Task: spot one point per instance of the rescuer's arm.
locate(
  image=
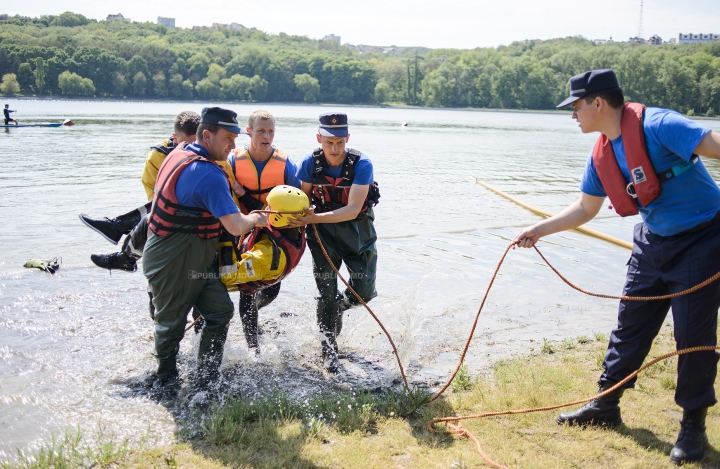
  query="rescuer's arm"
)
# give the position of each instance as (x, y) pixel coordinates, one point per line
(709, 146)
(238, 224)
(356, 199)
(579, 213)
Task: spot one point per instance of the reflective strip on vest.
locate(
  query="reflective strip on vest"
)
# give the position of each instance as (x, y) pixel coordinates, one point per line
(645, 181)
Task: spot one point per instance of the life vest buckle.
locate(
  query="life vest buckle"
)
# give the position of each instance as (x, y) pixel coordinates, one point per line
(631, 190)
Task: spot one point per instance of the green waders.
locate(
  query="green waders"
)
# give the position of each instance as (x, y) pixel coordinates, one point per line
(351, 242)
(182, 273)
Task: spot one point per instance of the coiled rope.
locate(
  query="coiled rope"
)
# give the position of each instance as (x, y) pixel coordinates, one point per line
(454, 427)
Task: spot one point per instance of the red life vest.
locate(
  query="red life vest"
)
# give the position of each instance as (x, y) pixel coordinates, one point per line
(293, 253)
(330, 193)
(163, 215)
(258, 185)
(646, 186)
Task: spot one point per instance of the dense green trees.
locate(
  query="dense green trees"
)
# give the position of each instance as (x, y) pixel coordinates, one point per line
(144, 60)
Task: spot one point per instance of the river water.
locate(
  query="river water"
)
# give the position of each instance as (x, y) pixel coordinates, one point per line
(75, 349)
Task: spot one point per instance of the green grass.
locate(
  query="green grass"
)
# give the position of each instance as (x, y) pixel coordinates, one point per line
(389, 429)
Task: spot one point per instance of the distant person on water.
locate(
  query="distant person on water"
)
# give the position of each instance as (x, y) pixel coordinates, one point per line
(7, 112)
(341, 186)
(647, 161)
(192, 203)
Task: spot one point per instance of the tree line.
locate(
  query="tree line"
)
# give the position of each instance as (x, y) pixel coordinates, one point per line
(72, 55)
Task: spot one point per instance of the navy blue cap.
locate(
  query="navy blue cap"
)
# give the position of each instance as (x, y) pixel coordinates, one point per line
(225, 118)
(333, 125)
(594, 81)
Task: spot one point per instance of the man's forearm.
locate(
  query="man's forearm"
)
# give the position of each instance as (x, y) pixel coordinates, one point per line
(237, 224)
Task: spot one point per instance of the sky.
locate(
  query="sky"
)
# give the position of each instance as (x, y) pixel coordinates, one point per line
(408, 23)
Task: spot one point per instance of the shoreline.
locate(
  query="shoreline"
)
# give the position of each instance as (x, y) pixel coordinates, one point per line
(273, 103)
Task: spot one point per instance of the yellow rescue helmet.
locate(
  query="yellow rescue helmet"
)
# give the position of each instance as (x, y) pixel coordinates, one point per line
(285, 199)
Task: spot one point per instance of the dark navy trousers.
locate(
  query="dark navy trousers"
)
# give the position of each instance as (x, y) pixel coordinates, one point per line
(661, 265)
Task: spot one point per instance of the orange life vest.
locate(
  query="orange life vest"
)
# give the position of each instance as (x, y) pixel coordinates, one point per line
(163, 215)
(645, 185)
(258, 185)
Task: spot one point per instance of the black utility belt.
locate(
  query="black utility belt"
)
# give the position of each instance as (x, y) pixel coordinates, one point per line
(696, 228)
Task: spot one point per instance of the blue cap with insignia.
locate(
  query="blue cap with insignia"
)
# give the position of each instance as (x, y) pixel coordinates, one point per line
(594, 81)
(333, 125)
(225, 118)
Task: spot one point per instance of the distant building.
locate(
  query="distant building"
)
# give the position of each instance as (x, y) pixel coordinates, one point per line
(695, 38)
(391, 50)
(672, 40)
(119, 16)
(655, 40)
(231, 26)
(168, 22)
(600, 41)
(332, 38)
(636, 40)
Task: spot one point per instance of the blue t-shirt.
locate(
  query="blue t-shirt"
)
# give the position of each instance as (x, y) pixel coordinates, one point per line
(363, 170)
(205, 185)
(290, 170)
(687, 200)
(7, 113)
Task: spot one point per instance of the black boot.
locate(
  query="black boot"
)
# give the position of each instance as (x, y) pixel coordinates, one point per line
(249, 318)
(209, 358)
(330, 354)
(598, 412)
(200, 323)
(692, 439)
(168, 377)
(114, 261)
(112, 229)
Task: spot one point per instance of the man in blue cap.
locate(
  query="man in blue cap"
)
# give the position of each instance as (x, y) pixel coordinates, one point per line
(191, 204)
(646, 161)
(341, 186)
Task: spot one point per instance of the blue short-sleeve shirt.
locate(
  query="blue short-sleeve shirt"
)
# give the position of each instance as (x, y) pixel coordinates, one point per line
(363, 170)
(686, 200)
(205, 185)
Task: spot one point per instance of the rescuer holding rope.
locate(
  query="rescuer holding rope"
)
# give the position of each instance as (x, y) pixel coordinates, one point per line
(646, 161)
(191, 205)
(341, 186)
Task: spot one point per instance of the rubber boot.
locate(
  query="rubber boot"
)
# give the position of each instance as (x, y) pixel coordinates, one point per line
(167, 375)
(210, 354)
(198, 325)
(330, 353)
(249, 318)
(604, 411)
(343, 303)
(692, 439)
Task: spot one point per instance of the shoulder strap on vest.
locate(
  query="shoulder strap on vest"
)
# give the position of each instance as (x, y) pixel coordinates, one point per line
(165, 150)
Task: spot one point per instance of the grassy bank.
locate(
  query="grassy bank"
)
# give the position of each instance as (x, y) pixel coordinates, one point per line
(363, 430)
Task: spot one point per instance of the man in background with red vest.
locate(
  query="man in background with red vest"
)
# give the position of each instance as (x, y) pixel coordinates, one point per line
(646, 161)
(258, 168)
(192, 200)
(341, 186)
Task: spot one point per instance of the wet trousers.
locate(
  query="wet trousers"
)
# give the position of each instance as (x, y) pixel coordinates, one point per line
(249, 306)
(182, 273)
(351, 242)
(659, 266)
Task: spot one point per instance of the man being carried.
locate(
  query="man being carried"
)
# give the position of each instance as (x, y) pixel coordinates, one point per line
(192, 203)
(258, 168)
(341, 185)
(646, 161)
(7, 112)
(133, 222)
